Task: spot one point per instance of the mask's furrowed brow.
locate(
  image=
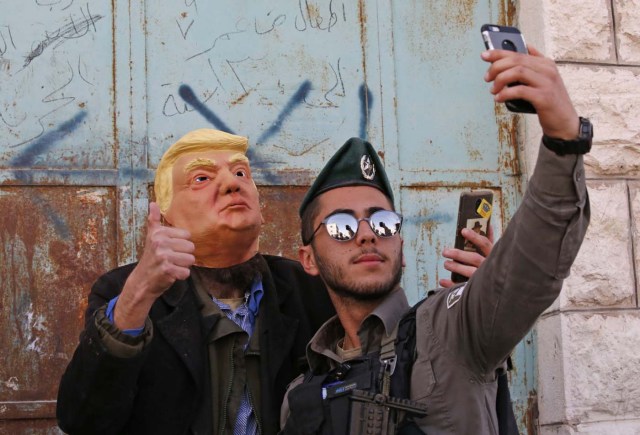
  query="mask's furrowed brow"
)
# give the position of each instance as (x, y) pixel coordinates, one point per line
(239, 157)
(201, 163)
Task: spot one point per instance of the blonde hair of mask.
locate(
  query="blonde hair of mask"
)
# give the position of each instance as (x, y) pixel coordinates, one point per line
(196, 141)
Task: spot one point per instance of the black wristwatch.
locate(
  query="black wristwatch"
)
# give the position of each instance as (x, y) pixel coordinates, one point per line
(581, 145)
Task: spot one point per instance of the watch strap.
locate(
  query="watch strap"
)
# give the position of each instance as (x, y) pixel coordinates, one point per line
(581, 145)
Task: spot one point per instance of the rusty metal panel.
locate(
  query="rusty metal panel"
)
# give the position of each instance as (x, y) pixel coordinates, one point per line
(281, 229)
(444, 108)
(30, 427)
(54, 243)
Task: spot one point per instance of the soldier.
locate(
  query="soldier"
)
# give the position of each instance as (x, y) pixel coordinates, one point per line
(440, 376)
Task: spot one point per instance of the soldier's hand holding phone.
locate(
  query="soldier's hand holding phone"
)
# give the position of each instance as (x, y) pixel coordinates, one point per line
(473, 238)
(465, 263)
(539, 83)
(507, 38)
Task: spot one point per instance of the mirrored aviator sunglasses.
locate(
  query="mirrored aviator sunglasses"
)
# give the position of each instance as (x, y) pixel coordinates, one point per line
(344, 226)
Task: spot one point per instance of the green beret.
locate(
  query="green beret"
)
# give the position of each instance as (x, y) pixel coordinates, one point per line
(356, 163)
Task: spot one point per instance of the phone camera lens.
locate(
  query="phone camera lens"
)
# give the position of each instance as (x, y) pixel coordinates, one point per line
(508, 45)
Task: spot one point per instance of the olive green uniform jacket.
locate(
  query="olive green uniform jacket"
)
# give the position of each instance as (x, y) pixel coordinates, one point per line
(464, 334)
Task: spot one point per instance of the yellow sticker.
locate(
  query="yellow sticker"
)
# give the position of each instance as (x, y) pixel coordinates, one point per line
(484, 209)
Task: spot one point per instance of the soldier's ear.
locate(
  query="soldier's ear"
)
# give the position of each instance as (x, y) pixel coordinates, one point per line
(308, 260)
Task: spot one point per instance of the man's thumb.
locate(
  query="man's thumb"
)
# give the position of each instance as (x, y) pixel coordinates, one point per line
(154, 214)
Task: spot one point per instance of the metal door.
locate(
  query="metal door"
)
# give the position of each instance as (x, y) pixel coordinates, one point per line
(92, 93)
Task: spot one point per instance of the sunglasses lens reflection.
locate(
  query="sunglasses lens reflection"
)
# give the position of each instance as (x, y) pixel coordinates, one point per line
(343, 226)
(385, 223)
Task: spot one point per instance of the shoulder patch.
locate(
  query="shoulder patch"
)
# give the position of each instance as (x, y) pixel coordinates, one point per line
(454, 296)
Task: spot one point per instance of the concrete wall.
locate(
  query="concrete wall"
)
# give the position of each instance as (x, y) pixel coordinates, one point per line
(589, 341)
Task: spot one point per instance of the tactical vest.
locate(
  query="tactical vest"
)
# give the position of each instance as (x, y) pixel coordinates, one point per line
(369, 395)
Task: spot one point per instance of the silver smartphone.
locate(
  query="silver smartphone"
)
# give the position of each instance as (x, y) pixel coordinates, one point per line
(507, 38)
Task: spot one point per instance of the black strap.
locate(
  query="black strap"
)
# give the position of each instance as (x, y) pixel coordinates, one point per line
(405, 353)
(504, 408)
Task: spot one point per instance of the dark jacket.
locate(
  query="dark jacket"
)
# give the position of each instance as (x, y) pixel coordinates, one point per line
(159, 390)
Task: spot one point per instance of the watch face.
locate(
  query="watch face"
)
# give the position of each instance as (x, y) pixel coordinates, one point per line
(586, 129)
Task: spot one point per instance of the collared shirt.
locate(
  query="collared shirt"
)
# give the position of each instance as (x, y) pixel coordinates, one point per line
(322, 351)
(245, 317)
(382, 321)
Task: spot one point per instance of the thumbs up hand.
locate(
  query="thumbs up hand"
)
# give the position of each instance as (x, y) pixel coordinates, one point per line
(168, 253)
(167, 257)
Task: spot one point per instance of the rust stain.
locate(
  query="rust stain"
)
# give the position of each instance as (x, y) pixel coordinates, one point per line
(424, 278)
(276, 205)
(22, 422)
(430, 25)
(507, 12)
(114, 86)
(436, 185)
(531, 414)
(362, 19)
(240, 98)
(460, 12)
(313, 13)
(55, 245)
(183, 15)
(508, 134)
(428, 228)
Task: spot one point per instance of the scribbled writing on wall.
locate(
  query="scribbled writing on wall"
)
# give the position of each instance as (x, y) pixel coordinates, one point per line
(262, 55)
(74, 28)
(48, 69)
(190, 99)
(284, 60)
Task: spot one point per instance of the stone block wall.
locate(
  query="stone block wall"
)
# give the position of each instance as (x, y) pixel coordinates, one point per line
(589, 340)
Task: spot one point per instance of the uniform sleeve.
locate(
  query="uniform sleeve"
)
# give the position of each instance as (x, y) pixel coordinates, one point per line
(484, 320)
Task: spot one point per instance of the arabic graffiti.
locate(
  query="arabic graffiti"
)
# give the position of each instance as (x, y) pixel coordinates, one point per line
(298, 98)
(321, 78)
(70, 30)
(259, 58)
(307, 17)
(36, 94)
